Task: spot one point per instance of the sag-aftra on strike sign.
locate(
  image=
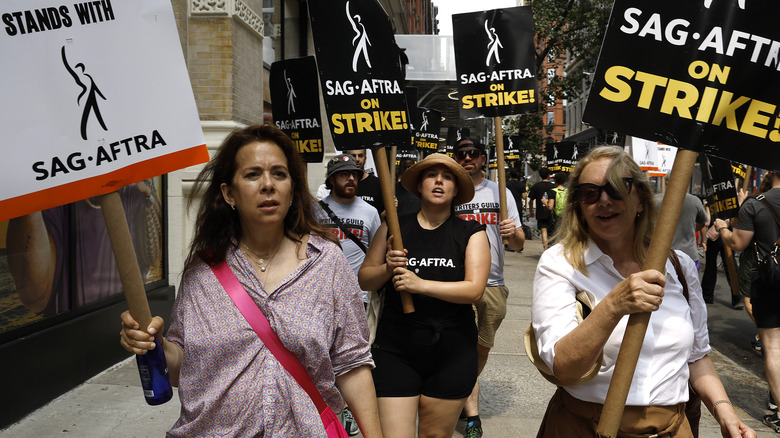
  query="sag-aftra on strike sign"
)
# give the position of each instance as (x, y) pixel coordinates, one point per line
(495, 62)
(95, 96)
(699, 75)
(360, 73)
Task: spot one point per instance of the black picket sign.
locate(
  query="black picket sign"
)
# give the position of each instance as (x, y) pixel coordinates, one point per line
(295, 104)
(495, 62)
(511, 151)
(718, 184)
(360, 73)
(695, 74)
(426, 136)
(454, 135)
(563, 156)
(511, 147)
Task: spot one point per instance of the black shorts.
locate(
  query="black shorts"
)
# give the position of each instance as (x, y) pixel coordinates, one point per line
(766, 305)
(544, 223)
(410, 362)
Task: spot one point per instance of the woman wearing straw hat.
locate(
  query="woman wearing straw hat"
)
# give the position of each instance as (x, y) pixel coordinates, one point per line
(604, 237)
(426, 361)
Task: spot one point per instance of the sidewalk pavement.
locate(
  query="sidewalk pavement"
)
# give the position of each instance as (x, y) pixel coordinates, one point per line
(513, 395)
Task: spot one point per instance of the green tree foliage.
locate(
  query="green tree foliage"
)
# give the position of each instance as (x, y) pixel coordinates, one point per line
(569, 31)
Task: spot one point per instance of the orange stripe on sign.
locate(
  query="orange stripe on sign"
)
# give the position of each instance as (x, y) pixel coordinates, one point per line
(101, 184)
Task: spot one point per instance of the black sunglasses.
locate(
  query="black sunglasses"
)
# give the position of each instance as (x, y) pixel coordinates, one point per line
(588, 193)
(473, 153)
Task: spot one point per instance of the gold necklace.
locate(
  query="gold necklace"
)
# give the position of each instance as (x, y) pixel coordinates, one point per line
(261, 260)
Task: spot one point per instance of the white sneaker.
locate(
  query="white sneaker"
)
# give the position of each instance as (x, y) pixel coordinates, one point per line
(350, 425)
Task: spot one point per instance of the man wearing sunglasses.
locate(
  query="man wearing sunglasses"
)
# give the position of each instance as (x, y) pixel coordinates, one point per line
(484, 208)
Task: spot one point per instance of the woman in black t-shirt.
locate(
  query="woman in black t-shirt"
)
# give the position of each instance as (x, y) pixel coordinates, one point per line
(426, 361)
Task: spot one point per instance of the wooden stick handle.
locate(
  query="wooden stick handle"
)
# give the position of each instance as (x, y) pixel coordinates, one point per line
(501, 174)
(391, 165)
(609, 423)
(383, 171)
(126, 261)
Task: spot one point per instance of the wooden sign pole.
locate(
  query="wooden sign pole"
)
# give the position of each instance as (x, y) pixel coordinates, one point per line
(383, 172)
(391, 164)
(501, 172)
(126, 261)
(612, 413)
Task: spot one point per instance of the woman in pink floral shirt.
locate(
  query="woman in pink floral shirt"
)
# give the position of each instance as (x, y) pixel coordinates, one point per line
(256, 215)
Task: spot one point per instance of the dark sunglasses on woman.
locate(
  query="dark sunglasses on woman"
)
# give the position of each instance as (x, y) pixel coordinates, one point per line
(473, 153)
(588, 193)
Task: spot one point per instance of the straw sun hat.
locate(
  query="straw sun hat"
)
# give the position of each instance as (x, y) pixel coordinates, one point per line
(411, 177)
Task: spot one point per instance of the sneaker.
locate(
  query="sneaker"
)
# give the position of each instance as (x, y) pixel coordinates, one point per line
(771, 404)
(736, 302)
(473, 431)
(350, 425)
(773, 422)
(757, 345)
(463, 415)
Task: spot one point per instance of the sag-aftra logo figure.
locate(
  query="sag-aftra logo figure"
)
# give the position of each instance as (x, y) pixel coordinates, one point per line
(91, 90)
(360, 41)
(493, 45)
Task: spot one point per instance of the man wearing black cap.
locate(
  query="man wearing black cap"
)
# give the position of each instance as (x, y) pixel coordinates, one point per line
(484, 208)
(344, 213)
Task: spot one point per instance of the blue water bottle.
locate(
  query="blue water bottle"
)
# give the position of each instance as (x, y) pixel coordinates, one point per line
(154, 375)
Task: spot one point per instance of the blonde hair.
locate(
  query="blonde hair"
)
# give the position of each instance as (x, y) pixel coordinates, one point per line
(572, 231)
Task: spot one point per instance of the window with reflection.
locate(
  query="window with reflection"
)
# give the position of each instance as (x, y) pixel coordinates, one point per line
(60, 260)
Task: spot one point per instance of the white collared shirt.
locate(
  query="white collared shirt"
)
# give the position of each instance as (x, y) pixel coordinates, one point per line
(676, 335)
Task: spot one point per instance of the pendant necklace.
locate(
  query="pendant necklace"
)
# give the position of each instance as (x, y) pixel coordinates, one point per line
(261, 260)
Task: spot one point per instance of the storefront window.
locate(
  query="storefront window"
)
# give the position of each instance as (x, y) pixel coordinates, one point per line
(60, 260)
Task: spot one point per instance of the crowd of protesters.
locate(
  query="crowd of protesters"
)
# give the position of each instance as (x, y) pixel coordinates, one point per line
(333, 286)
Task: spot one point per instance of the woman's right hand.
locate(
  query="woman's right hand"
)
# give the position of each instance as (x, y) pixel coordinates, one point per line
(395, 258)
(135, 340)
(640, 292)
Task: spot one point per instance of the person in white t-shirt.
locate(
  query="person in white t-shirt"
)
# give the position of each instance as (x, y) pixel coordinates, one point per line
(484, 208)
(603, 242)
(349, 213)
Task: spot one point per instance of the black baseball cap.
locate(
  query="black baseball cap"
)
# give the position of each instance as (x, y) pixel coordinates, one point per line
(341, 162)
(466, 142)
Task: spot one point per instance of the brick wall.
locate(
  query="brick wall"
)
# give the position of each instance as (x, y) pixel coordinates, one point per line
(247, 93)
(210, 59)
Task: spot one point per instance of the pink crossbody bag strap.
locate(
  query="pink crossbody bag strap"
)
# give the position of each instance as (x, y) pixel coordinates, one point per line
(258, 321)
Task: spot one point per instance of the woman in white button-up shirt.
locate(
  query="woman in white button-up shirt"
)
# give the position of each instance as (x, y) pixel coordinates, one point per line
(603, 239)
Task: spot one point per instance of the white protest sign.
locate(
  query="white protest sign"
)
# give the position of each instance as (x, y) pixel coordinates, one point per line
(645, 153)
(96, 96)
(665, 157)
